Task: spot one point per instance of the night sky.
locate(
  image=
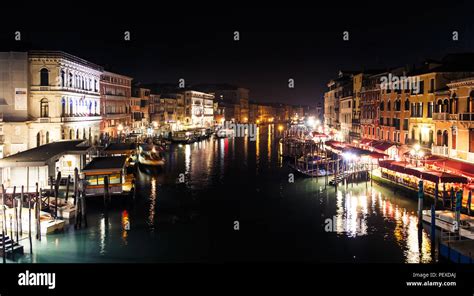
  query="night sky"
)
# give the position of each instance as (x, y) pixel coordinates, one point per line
(290, 42)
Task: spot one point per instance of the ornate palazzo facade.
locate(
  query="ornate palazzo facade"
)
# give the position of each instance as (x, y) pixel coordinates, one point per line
(64, 98)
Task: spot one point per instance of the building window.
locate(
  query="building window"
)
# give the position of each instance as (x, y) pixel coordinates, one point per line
(63, 107)
(38, 139)
(430, 109)
(445, 138)
(44, 108)
(47, 137)
(44, 77)
(407, 105)
(439, 139)
(453, 139)
(63, 78)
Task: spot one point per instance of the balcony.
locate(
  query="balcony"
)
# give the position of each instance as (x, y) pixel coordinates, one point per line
(77, 118)
(466, 116)
(366, 121)
(441, 116)
(44, 120)
(440, 150)
(116, 115)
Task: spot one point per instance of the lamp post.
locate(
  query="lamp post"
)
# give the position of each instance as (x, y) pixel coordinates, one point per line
(417, 154)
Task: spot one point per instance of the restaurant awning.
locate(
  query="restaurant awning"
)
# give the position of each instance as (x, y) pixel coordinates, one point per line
(335, 145)
(381, 145)
(377, 155)
(452, 165)
(422, 172)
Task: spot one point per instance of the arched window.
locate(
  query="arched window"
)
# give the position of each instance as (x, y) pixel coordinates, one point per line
(407, 105)
(439, 139)
(70, 80)
(469, 102)
(445, 138)
(44, 108)
(389, 106)
(38, 139)
(63, 107)
(77, 134)
(439, 106)
(71, 135)
(47, 137)
(63, 78)
(90, 134)
(445, 105)
(381, 106)
(44, 77)
(71, 108)
(84, 133)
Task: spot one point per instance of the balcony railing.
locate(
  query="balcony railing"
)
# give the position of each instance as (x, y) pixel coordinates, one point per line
(80, 118)
(440, 150)
(441, 116)
(466, 116)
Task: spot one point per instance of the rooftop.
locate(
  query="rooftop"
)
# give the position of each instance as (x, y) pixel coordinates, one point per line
(119, 147)
(105, 163)
(41, 155)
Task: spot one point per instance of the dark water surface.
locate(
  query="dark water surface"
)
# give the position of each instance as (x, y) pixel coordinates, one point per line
(229, 180)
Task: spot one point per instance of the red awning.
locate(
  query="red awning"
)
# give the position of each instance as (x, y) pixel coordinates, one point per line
(377, 155)
(422, 172)
(454, 166)
(319, 135)
(381, 145)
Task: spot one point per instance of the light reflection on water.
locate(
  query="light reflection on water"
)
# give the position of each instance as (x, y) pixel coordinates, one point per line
(354, 211)
(247, 179)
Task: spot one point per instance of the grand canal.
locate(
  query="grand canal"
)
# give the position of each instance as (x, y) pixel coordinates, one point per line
(228, 180)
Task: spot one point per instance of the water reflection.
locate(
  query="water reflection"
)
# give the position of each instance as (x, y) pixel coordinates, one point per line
(228, 178)
(356, 216)
(152, 204)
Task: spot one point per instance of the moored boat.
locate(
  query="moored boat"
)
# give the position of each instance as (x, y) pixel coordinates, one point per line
(150, 155)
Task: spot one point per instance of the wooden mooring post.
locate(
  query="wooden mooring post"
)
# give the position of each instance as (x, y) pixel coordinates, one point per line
(15, 213)
(29, 222)
(67, 187)
(4, 225)
(76, 181)
(56, 193)
(38, 215)
(22, 196)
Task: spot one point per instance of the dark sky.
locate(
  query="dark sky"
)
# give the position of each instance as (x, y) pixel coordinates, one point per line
(304, 43)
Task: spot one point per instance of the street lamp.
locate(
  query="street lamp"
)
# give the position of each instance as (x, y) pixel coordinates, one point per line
(416, 153)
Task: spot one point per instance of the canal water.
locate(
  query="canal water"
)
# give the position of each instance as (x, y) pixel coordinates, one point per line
(238, 183)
